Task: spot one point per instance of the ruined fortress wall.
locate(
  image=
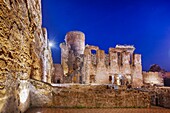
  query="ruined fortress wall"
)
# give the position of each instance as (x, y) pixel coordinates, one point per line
(99, 67)
(160, 96)
(74, 47)
(43, 95)
(153, 78)
(119, 61)
(72, 56)
(100, 97)
(58, 75)
(64, 57)
(21, 51)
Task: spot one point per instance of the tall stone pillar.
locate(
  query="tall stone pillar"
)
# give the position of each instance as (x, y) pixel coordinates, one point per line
(102, 73)
(64, 57)
(126, 69)
(137, 79)
(86, 66)
(113, 55)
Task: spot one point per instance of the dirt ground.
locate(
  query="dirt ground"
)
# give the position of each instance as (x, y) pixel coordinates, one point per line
(99, 110)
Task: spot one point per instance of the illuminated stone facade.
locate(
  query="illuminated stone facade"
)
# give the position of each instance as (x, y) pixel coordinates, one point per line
(58, 74)
(80, 65)
(153, 78)
(72, 56)
(24, 53)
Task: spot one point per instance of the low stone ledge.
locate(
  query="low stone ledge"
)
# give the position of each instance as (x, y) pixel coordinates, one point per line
(88, 96)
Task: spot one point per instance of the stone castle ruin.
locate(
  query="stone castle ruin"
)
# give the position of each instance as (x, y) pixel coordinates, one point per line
(80, 65)
(28, 76)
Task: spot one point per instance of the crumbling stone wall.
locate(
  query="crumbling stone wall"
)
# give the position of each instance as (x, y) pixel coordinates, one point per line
(160, 96)
(58, 74)
(43, 95)
(120, 63)
(100, 97)
(163, 97)
(98, 67)
(46, 56)
(72, 55)
(22, 43)
(153, 78)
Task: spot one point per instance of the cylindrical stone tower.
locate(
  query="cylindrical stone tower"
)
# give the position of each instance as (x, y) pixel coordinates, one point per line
(76, 40)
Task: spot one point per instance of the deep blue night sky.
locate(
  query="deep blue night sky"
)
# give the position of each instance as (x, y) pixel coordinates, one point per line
(142, 23)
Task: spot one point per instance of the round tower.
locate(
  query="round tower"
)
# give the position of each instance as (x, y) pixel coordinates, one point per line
(76, 40)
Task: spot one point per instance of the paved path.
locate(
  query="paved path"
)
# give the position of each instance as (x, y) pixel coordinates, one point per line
(100, 110)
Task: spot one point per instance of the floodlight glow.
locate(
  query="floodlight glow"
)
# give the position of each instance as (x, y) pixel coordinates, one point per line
(51, 44)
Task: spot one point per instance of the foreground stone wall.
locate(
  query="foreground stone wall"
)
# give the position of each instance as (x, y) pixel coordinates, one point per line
(9, 96)
(163, 96)
(160, 96)
(22, 45)
(43, 95)
(100, 97)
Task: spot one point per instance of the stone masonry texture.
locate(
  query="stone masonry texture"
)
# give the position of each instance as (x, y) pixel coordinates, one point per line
(99, 96)
(22, 52)
(81, 65)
